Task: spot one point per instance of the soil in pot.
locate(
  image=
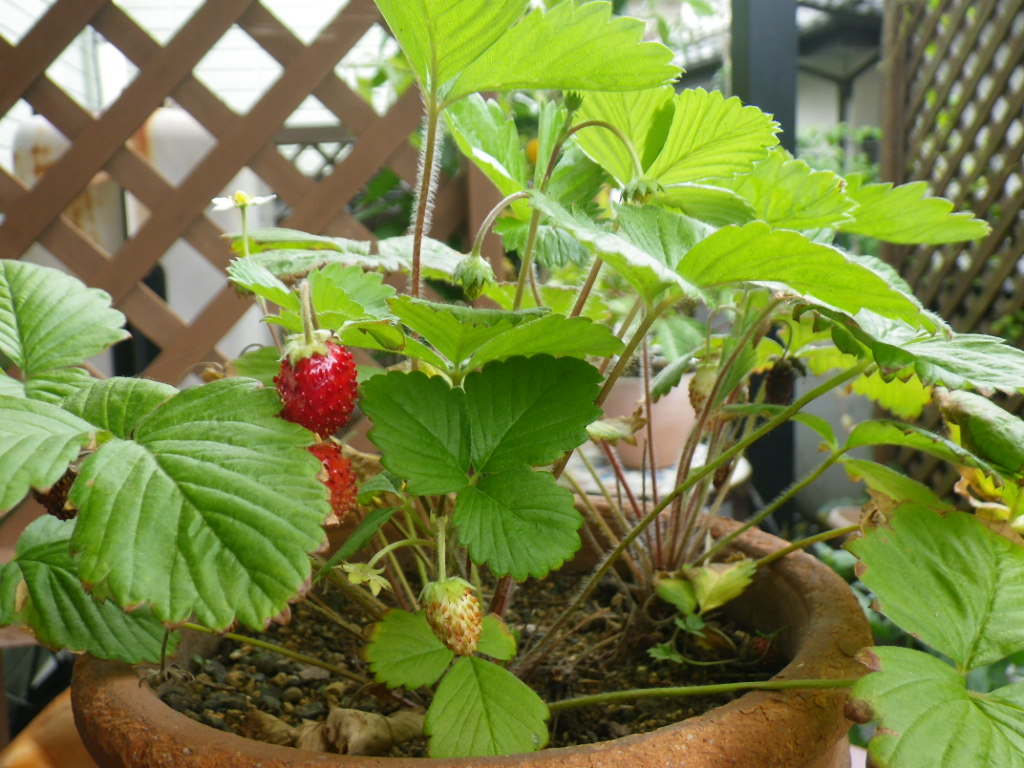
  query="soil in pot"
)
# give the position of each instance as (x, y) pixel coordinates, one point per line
(234, 686)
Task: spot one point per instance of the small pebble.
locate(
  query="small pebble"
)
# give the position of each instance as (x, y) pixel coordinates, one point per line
(293, 694)
(311, 711)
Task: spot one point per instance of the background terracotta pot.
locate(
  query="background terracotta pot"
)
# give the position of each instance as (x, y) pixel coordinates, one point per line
(125, 725)
(672, 420)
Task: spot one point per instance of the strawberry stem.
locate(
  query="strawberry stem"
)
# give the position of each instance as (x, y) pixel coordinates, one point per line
(308, 315)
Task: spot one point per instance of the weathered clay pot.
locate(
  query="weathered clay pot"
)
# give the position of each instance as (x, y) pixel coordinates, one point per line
(672, 420)
(124, 724)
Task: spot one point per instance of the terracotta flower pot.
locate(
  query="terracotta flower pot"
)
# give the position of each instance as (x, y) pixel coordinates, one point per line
(672, 420)
(125, 725)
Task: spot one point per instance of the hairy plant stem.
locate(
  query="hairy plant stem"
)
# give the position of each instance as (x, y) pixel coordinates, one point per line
(526, 661)
(300, 657)
(426, 185)
(700, 690)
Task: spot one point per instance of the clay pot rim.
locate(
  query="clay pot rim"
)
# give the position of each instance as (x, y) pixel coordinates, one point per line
(107, 694)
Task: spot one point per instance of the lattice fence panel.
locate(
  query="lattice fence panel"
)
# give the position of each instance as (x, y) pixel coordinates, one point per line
(116, 144)
(955, 118)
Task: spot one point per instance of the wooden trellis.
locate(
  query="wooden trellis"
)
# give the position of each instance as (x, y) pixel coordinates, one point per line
(954, 116)
(103, 145)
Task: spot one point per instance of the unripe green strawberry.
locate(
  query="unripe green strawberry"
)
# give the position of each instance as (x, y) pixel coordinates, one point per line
(701, 385)
(339, 477)
(317, 383)
(474, 274)
(453, 612)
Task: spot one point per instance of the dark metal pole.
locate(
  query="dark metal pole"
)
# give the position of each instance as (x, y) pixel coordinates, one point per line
(764, 66)
(764, 59)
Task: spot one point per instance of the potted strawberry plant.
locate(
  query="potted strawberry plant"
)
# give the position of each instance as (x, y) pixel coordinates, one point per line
(206, 507)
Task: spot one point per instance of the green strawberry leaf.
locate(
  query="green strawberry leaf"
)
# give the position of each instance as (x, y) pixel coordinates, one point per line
(757, 254)
(520, 523)
(905, 214)
(119, 404)
(490, 139)
(789, 194)
(404, 651)
(646, 272)
(715, 205)
(894, 484)
(712, 137)
(52, 386)
(216, 501)
(666, 235)
(553, 334)
(38, 441)
(553, 247)
(482, 709)
(887, 432)
(439, 260)
(905, 398)
(64, 615)
(690, 136)
(439, 39)
(929, 718)
(965, 360)
(262, 364)
(529, 411)
(251, 275)
(49, 319)
(956, 361)
(283, 239)
(496, 639)
(974, 619)
(420, 428)
(576, 180)
(608, 51)
(457, 332)
(643, 117)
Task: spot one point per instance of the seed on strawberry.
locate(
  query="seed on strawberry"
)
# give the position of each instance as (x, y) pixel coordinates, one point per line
(453, 612)
(317, 383)
(339, 477)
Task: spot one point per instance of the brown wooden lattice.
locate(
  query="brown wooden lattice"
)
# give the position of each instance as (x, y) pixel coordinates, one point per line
(954, 116)
(113, 143)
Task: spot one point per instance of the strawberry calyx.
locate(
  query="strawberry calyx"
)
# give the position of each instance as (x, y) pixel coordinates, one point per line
(300, 346)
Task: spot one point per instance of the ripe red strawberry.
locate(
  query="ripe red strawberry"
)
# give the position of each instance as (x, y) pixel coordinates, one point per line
(453, 612)
(339, 477)
(317, 383)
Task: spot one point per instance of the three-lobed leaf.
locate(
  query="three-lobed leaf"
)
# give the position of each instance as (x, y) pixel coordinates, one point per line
(210, 511)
